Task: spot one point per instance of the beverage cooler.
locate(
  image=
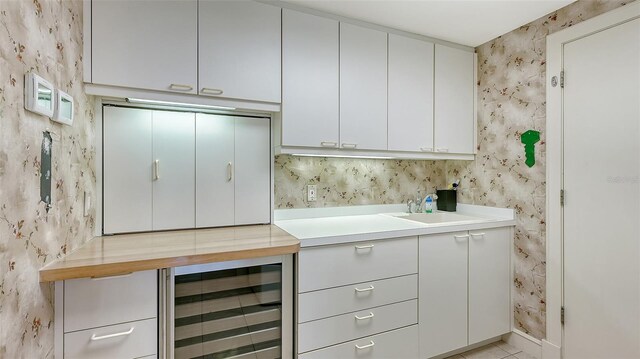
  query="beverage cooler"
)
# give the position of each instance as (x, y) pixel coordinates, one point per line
(239, 309)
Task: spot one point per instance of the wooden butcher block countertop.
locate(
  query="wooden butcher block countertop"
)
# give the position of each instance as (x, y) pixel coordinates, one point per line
(125, 253)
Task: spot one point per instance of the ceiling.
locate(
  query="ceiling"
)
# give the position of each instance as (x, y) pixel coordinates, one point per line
(467, 22)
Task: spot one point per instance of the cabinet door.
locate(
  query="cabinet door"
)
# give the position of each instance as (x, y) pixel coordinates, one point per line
(410, 94)
(145, 44)
(363, 88)
(454, 94)
(309, 80)
(239, 50)
(489, 283)
(174, 175)
(127, 186)
(443, 293)
(252, 171)
(214, 166)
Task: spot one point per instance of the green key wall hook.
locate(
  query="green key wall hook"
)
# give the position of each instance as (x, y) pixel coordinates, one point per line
(529, 139)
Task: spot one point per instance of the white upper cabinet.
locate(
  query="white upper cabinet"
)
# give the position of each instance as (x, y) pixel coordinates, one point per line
(145, 44)
(127, 174)
(363, 88)
(239, 50)
(454, 100)
(410, 94)
(310, 85)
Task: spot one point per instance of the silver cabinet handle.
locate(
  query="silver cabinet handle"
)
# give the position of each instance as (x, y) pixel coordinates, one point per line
(369, 288)
(364, 247)
(210, 91)
(229, 171)
(442, 150)
(156, 170)
(464, 236)
(426, 149)
(371, 343)
(365, 317)
(178, 87)
(349, 145)
(477, 234)
(329, 144)
(101, 337)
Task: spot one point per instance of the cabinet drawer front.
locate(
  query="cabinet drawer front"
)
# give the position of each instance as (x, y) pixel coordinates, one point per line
(400, 344)
(333, 266)
(330, 331)
(335, 301)
(91, 303)
(126, 340)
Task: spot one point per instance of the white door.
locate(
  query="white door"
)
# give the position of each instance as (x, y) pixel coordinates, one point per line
(489, 283)
(442, 292)
(252, 171)
(410, 94)
(363, 88)
(454, 97)
(145, 44)
(127, 171)
(602, 207)
(214, 170)
(309, 80)
(239, 50)
(174, 173)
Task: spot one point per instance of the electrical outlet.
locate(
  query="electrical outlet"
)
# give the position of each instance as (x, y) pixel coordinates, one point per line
(312, 192)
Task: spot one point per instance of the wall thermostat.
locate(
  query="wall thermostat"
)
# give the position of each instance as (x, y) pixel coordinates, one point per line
(38, 95)
(63, 108)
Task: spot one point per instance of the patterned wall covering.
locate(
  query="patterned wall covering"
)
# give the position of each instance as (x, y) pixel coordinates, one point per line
(46, 37)
(511, 100)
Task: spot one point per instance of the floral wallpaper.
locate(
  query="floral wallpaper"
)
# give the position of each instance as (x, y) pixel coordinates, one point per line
(511, 100)
(43, 36)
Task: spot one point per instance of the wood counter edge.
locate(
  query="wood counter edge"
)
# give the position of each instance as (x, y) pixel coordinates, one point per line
(109, 269)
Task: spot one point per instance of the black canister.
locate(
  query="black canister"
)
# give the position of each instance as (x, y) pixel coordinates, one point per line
(447, 199)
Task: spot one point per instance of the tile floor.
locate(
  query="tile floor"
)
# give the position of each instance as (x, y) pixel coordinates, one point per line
(497, 350)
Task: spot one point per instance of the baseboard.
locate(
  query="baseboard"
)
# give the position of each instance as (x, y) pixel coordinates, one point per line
(550, 350)
(467, 348)
(524, 342)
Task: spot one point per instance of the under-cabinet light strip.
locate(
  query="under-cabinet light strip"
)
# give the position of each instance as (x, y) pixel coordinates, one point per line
(177, 104)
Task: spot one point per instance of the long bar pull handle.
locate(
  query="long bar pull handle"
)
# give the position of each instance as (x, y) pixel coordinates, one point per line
(360, 290)
(156, 170)
(328, 144)
(365, 317)
(229, 171)
(364, 247)
(465, 236)
(426, 149)
(101, 337)
(349, 145)
(210, 91)
(179, 87)
(371, 343)
(477, 234)
(442, 150)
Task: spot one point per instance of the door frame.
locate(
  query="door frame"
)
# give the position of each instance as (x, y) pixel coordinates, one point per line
(552, 344)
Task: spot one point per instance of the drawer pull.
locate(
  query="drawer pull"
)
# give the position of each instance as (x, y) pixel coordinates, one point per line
(101, 337)
(178, 87)
(349, 145)
(426, 149)
(442, 150)
(210, 91)
(329, 144)
(368, 289)
(365, 317)
(477, 234)
(464, 236)
(364, 247)
(371, 343)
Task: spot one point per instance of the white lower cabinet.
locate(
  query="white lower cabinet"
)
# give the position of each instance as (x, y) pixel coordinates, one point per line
(126, 340)
(464, 295)
(107, 317)
(398, 344)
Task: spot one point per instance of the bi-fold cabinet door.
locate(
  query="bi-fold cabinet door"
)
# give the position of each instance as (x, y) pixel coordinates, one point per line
(232, 170)
(148, 177)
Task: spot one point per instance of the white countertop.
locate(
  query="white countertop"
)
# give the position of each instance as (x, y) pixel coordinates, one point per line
(323, 226)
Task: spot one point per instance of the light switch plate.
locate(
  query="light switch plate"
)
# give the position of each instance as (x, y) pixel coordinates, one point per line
(312, 192)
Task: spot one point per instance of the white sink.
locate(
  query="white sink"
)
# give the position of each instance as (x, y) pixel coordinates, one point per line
(435, 218)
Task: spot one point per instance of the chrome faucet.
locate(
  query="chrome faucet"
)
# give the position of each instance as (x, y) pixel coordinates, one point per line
(410, 204)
